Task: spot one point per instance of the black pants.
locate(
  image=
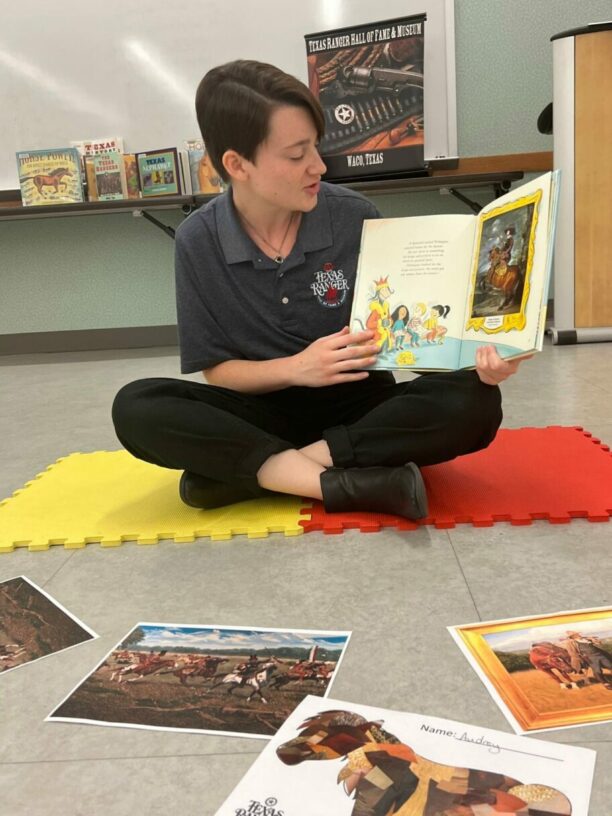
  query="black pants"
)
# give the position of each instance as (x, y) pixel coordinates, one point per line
(226, 435)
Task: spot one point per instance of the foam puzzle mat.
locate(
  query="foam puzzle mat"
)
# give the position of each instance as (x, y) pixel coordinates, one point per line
(109, 497)
(554, 473)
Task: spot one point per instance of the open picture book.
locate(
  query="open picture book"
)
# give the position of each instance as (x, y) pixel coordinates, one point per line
(434, 288)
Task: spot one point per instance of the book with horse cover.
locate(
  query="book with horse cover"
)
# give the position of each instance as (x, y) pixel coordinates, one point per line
(339, 758)
(435, 288)
(50, 176)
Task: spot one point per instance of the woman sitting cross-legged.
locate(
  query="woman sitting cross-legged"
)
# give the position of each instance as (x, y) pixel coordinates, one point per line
(265, 275)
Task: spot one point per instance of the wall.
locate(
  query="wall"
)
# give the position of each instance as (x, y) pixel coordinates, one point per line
(115, 270)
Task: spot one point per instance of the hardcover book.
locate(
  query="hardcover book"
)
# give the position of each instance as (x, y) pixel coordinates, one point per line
(369, 81)
(159, 172)
(94, 147)
(50, 176)
(332, 757)
(131, 175)
(435, 288)
(90, 178)
(110, 179)
(201, 175)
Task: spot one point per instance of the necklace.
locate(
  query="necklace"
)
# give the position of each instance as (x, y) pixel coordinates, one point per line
(278, 252)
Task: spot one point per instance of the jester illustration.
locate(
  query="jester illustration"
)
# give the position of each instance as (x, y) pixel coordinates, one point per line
(385, 776)
(379, 319)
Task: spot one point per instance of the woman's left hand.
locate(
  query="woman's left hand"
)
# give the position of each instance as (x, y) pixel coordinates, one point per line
(492, 369)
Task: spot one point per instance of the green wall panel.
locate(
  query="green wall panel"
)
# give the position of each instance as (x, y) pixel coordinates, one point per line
(112, 271)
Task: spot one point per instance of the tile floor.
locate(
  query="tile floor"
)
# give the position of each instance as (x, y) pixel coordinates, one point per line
(396, 591)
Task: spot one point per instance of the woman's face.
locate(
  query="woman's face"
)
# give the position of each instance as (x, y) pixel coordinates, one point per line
(286, 170)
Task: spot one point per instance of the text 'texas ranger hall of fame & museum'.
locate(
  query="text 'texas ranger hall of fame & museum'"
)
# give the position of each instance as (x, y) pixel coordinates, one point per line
(369, 80)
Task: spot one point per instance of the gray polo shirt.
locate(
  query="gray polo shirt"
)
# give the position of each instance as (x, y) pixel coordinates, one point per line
(235, 303)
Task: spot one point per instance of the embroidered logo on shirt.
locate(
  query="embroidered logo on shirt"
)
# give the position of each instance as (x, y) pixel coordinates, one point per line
(330, 287)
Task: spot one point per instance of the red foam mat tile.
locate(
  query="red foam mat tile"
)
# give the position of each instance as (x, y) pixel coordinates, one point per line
(553, 473)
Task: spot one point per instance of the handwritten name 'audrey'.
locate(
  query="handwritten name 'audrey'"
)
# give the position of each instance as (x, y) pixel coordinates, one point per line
(464, 737)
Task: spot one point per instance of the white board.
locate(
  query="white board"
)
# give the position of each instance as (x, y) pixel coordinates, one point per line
(71, 70)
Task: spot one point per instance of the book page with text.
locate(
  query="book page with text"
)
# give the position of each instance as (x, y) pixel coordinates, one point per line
(412, 281)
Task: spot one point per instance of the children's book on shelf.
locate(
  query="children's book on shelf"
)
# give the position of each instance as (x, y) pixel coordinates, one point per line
(95, 147)
(131, 175)
(89, 174)
(332, 757)
(50, 176)
(109, 176)
(159, 172)
(200, 176)
(435, 288)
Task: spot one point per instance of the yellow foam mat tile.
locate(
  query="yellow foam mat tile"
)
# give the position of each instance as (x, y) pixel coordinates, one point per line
(109, 497)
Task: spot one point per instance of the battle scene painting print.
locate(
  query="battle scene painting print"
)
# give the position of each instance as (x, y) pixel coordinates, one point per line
(551, 671)
(211, 679)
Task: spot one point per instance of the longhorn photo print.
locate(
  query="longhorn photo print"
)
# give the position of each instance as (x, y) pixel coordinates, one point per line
(332, 757)
(211, 679)
(34, 625)
(551, 671)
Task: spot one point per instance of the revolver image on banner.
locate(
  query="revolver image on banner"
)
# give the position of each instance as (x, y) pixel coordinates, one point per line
(354, 80)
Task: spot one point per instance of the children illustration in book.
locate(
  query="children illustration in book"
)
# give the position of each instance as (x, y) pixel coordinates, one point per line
(415, 324)
(399, 326)
(396, 327)
(384, 775)
(435, 330)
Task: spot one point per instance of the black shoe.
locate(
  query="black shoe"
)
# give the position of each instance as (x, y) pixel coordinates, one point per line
(396, 490)
(206, 494)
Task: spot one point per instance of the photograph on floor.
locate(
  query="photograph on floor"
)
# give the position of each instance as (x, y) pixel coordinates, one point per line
(550, 671)
(353, 760)
(208, 678)
(34, 625)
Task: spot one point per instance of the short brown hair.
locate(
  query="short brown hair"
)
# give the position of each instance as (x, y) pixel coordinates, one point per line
(234, 103)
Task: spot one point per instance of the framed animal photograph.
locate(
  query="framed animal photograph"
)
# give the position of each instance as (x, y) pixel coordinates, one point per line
(207, 679)
(549, 671)
(333, 757)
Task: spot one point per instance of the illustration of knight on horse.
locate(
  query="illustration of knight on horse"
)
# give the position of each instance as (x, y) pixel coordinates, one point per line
(502, 277)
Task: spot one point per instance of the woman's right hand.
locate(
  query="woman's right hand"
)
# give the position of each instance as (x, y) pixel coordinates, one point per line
(334, 359)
